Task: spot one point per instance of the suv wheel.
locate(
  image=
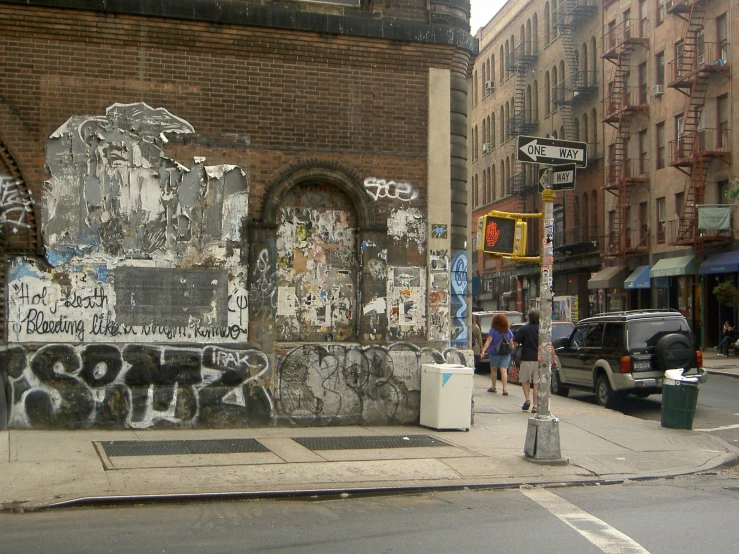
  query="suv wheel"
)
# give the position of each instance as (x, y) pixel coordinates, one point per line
(607, 397)
(557, 387)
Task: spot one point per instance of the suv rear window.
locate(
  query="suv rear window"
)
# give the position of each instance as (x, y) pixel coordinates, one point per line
(646, 333)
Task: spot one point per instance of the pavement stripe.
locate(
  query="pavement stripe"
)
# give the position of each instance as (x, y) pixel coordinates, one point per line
(724, 428)
(597, 531)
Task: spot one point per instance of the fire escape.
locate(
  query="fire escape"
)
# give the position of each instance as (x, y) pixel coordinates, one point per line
(523, 121)
(580, 85)
(695, 146)
(622, 104)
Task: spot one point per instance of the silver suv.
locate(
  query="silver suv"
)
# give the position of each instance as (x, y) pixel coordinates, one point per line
(618, 353)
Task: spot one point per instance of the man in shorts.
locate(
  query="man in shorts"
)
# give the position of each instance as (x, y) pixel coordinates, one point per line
(528, 372)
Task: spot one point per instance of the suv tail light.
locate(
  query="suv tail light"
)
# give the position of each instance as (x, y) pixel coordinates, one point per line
(625, 364)
(699, 357)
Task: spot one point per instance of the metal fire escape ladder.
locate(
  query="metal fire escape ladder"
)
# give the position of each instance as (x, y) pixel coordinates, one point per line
(568, 16)
(518, 63)
(690, 145)
(618, 111)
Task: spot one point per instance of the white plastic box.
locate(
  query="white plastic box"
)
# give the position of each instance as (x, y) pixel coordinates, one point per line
(446, 396)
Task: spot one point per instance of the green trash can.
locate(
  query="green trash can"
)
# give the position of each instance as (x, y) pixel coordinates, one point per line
(679, 399)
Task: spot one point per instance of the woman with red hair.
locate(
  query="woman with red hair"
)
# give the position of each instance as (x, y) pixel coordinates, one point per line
(499, 355)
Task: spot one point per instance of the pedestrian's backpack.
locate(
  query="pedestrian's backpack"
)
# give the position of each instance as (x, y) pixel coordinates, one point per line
(503, 348)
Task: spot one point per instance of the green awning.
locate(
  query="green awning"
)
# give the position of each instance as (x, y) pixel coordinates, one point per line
(607, 278)
(674, 267)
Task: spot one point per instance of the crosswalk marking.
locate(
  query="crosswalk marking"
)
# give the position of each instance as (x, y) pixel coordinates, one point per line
(597, 531)
(723, 428)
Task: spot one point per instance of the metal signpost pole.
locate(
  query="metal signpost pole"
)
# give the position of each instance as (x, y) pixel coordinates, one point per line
(542, 436)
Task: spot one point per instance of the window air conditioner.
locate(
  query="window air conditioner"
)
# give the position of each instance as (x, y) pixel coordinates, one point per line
(486, 148)
(490, 85)
(658, 90)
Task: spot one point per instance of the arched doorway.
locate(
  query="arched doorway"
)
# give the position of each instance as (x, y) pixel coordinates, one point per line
(315, 215)
(316, 273)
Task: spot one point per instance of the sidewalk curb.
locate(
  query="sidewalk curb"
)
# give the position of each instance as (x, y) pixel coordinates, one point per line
(342, 493)
(724, 373)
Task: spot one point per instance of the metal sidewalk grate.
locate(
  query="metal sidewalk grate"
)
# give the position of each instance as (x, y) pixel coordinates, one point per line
(170, 448)
(363, 443)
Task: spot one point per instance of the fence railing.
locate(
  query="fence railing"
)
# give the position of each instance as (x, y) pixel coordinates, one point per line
(702, 141)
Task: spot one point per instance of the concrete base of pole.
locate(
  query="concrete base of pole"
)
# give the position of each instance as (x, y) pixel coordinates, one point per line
(542, 442)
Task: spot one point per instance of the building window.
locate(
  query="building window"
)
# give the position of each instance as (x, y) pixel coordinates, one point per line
(722, 105)
(643, 153)
(661, 220)
(722, 33)
(642, 70)
(643, 221)
(660, 19)
(643, 31)
(627, 24)
(660, 145)
(659, 62)
(722, 191)
(681, 150)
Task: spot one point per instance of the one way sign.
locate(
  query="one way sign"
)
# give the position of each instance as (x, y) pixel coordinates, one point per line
(563, 177)
(552, 151)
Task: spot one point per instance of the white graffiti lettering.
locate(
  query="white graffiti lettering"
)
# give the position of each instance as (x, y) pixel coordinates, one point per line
(14, 207)
(379, 188)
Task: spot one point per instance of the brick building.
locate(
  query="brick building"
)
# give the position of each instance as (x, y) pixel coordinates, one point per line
(231, 213)
(671, 133)
(537, 74)
(649, 224)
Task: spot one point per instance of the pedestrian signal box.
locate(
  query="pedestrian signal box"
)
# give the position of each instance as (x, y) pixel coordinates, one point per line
(502, 235)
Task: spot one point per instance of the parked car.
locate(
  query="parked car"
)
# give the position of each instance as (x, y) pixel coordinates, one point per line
(619, 353)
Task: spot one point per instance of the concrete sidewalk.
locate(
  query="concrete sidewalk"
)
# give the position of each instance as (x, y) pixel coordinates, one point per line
(60, 468)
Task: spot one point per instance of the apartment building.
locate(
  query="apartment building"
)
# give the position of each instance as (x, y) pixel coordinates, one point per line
(647, 84)
(538, 73)
(670, 130)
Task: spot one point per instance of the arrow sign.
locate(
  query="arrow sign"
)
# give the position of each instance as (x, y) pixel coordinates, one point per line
(563, 177)
(551, 151)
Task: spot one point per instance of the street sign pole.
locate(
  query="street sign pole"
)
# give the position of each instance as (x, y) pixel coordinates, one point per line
(542, 436)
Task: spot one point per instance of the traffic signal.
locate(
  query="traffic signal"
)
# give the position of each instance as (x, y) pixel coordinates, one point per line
(502, 236)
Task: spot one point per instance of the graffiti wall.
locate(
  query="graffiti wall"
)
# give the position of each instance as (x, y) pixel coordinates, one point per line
(145, 386)
(158, 305)
(139, 245)
(15, 205)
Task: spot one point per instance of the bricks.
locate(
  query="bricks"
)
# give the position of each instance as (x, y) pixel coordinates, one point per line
(359, 100)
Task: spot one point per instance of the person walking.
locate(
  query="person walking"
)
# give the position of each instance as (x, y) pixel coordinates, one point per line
(727, 337)
(476, 341)
(528, 371)
(499, 354)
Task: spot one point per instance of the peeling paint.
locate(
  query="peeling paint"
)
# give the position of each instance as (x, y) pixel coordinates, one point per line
(113, 191)
(408, 226)
(316, 257)
(406, 301)
(375, 306)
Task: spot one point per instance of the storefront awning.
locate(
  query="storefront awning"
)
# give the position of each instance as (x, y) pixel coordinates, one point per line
(639, 278)
(725, 262)
(674, 267)
(607, 278)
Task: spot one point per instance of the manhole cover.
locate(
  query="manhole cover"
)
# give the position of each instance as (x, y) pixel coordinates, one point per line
(170, 448)
(360, 443)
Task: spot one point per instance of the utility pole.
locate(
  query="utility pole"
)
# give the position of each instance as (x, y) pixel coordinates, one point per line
(542, 435)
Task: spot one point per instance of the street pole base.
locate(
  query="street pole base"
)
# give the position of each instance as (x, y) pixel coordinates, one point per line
(542, 442)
